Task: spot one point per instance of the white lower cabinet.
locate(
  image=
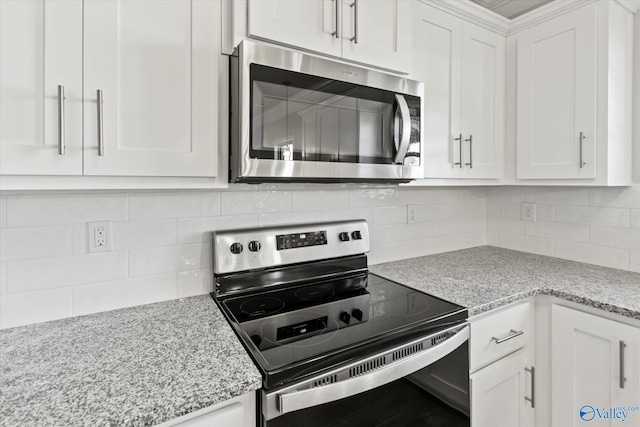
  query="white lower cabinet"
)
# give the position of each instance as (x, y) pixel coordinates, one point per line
(500, 391)
(502, 376)
(595, 370)
(237, 412)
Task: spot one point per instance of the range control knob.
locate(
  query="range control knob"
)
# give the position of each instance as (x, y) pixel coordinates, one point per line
(256, 340)
(357, 314)
(345, 317)
(236, 248)
(344, 237)
(356, 235)
(254, 246)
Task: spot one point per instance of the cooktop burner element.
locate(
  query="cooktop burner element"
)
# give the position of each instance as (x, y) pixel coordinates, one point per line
(261, 306)
(305, 308)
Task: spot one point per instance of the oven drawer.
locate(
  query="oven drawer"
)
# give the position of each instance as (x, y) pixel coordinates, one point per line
(499, 333)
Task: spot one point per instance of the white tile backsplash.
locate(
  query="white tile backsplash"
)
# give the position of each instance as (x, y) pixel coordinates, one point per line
(163, 248)
(598, 226)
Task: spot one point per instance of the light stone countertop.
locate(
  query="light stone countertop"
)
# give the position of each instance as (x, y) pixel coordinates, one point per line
(144, 365)
(137, 366)
(486, 277)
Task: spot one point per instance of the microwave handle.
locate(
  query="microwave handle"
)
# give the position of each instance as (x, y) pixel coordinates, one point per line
(402, 137)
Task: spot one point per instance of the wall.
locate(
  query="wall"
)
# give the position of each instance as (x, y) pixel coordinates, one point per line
(162, 246)
(598, 226)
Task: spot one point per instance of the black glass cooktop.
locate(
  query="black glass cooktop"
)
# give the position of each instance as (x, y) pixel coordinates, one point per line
(299, 331)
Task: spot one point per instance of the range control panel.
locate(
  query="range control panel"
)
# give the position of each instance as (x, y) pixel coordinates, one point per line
(256, 248)
(298, 240)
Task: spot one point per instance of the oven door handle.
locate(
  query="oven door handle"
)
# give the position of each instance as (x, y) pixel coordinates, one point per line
(289, 402)
(402, 135)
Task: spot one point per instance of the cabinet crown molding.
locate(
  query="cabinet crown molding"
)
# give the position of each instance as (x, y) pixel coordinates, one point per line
(474, 13)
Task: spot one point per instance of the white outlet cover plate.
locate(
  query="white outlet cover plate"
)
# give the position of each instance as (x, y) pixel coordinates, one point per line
(528, 211)
(91, 233)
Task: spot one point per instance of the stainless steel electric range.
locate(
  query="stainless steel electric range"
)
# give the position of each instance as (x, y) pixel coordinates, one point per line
(326, 334)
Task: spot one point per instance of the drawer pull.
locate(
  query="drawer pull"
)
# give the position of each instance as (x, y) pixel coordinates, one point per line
(531, 400)
(511, 334)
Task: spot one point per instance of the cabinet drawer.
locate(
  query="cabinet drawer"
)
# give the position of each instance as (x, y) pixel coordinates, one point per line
(498, 333)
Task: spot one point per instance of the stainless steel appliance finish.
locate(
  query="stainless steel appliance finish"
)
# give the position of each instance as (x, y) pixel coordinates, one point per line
(322, 329)
(297, 117)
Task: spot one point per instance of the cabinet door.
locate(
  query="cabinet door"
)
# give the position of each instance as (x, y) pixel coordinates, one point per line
(377, 32)
(40, 49)
(498, 393)
(556, 98)
(482, 103)
(587, 364)
(156, 65)
(437, 63)
(309, 24)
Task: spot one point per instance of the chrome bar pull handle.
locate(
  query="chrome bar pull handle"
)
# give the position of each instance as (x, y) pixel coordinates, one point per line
(336, 32)
(61, 119)
(512, 334)
(622, 378)
(470, 141)
(354, 5)
(582, 138)
(100, 125)
(459, 139)
(531, 399)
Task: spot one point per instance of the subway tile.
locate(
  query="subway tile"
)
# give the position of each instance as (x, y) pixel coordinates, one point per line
(174, 205)
(530, 244)
(3, 278)
(511, 210)
(591, 254)
(616, 197)
(563, 196)
(634, 262)
(383, 234)
(247, 202)
(168, 259)
(635, 218)
(474, 193)
(348, 214)
(79, 239)
(557, 230)
(112, 295)
(395, 251)
(390, 215)
(545, 212)
(319, 200)
(494, 208)
(288, 218)
(372, 197)
(493, 238)
(198, 230)
(611, 217)
(45, 273)
(426, 195)
(42, 210)
(449, 210)
(195, 282)
(615, 237)
(506, 194)
(33, 307)
(144, 234)
(34, 242)
(505, 225)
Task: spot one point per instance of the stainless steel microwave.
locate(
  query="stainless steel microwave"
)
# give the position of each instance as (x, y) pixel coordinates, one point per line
(297, 117)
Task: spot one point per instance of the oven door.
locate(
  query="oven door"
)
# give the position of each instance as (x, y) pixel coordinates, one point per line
(303, 118)
(421, 383)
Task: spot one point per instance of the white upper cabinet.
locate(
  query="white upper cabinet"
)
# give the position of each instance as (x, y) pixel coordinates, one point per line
(573, 96)
(372, 32)
(463, 69)
(155, 65)
(40, 87)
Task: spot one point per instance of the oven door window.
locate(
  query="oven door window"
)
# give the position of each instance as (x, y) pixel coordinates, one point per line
(296, 116)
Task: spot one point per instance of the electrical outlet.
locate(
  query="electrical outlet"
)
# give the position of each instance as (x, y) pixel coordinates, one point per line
(411, 214)
(99, 236)
(528, 211)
